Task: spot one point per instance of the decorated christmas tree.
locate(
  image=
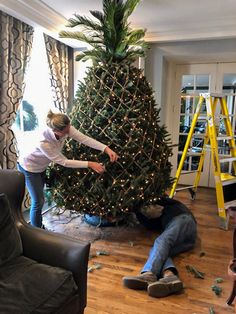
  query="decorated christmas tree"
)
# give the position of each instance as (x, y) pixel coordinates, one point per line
(114, 105)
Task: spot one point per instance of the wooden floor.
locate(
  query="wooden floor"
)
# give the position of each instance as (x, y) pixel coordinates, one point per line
(106, 295)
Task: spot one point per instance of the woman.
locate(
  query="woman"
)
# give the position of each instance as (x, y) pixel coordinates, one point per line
(48, 149)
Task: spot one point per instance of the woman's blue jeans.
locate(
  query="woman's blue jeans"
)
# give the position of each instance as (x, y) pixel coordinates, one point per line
(179, 236)
(35, 186)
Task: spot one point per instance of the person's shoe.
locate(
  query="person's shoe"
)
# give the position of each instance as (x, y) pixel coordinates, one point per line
(140, 282)
(165, 286)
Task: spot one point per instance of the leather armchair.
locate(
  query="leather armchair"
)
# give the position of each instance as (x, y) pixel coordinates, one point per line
(56, 257)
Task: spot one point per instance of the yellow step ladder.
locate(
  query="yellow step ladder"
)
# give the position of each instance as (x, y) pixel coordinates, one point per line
(211, 138)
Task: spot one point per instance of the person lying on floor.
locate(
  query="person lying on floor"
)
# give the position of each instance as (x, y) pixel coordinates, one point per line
(159, 276)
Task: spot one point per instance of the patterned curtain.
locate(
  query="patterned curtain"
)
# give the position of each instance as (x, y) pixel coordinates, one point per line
(57, 54)
(16, 42)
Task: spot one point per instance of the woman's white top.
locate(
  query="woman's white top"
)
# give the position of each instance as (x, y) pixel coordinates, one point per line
(48, 149)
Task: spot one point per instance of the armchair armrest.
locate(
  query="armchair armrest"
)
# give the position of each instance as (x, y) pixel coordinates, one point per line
(57, 250)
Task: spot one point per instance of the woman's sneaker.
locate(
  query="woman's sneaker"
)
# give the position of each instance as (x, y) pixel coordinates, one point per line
(165, 286)
(140, 282)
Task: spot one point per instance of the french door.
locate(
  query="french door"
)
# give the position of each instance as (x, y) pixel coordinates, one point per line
(191, 80)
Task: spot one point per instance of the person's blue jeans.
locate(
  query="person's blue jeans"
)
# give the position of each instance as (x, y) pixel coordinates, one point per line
(35, 185)
(179, 236)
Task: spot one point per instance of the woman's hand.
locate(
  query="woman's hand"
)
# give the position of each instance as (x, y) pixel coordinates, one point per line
(97, 167)
(113, 156)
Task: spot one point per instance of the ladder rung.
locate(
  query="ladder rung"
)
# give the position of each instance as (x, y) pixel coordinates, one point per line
(230, 204)
(200, 135)
(227, 179)
(193, 154)
(227, 159)
(232, 181)
(223, 116)
(185, 188)
(224, 137)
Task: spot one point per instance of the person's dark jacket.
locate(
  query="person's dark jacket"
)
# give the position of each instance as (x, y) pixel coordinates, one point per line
(171, 209)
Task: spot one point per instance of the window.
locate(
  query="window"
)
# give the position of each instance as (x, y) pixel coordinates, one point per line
(37, 99)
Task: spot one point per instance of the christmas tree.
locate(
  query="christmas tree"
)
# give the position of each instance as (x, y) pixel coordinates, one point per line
(115, 105)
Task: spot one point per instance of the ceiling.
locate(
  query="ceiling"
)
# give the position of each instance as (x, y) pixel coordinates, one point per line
(165, 20)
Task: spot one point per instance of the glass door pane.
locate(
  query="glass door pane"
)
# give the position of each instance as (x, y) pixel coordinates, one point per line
(226, 84)
(228, 88)
(191, 80)
(191, 87)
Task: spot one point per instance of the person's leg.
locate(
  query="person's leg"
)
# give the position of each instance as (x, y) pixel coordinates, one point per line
(169, 266)
(168, 284)
(179, 236)
(185, 240)
(35, 185)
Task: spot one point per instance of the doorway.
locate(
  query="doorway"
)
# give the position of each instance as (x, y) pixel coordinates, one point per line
(191, 80)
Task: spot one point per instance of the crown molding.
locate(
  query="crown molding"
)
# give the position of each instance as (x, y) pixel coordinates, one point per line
(201, 32)
(35, 13)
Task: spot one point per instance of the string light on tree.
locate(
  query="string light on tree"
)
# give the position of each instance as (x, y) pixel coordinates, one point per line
(115, 105)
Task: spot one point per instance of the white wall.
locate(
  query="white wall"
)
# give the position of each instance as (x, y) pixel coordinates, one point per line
(154, 64)
(79, 69)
